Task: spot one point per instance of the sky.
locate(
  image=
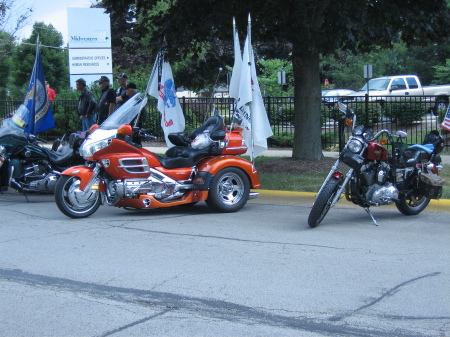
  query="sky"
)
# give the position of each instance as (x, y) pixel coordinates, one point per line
(51, 12)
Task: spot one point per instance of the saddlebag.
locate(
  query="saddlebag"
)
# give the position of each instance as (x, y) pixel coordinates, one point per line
(430, 185)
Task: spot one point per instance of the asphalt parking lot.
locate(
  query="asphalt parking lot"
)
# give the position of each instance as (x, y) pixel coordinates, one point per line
(192, 272)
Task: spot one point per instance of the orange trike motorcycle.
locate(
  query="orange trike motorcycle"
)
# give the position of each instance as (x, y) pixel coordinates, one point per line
(202, 166)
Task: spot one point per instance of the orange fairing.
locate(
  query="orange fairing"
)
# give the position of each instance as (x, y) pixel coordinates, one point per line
(84, 173)
(213, 165)
(193, 196)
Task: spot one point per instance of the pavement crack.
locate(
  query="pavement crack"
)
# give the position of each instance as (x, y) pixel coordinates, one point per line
(198, 306)
(388, 293)
(143, 320)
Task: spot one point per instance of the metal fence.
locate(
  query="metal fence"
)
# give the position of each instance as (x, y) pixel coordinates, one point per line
(410, 114)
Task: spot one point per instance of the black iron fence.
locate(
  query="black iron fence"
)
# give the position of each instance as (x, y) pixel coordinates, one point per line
(415, 115)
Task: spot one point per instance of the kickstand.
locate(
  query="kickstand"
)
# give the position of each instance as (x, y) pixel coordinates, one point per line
(371, 215)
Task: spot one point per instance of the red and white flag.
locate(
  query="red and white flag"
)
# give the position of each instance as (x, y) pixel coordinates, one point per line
(172, 118)
(446, 122)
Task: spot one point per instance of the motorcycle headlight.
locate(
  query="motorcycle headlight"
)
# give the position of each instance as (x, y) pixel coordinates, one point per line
(88, 150)
(355, 145)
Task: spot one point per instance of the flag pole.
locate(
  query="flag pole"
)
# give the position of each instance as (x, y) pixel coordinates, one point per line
(252, 59)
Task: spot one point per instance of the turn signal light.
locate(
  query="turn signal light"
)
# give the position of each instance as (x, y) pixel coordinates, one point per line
(348, 121)
(93, 128)
(383, 141)
(124, 130)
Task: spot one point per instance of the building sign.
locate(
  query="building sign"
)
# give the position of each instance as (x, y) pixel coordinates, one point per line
(89, 44)
(90, 61)
(88, 28)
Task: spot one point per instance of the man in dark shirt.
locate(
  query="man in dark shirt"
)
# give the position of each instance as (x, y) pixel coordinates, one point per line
(107, 100)
(86, 105)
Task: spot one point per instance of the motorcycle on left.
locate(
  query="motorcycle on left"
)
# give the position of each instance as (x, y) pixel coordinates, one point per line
(25, 165)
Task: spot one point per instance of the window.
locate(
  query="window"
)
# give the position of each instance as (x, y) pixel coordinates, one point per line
(412, 83)
(398, 84)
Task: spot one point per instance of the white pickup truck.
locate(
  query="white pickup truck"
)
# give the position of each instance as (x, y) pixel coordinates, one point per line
(380, 88)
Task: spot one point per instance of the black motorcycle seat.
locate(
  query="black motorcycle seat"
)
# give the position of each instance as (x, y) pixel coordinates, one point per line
(188, 158)
(213, 123)
(60, 157)
(414, 156)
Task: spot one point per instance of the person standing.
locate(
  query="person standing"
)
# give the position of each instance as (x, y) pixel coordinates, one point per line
(107, 100)
(50, 92)
(86, 105)
(122, 80)
(130, 91)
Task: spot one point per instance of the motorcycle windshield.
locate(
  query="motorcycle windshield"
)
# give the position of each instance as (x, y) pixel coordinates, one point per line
(126, 113)
(15, 126)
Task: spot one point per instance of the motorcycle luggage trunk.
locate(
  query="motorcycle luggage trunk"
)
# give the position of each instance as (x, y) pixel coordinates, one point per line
(430, 185)
(235, 144)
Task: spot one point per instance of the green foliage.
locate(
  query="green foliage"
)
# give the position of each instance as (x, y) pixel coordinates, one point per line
(268, 79)
(55, 60)
(66, 118)
(442, 72)
(283, 114)
(373, 115)
(405, 112)
(283, 139)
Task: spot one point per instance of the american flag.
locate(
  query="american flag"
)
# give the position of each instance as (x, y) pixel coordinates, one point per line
(446, 123)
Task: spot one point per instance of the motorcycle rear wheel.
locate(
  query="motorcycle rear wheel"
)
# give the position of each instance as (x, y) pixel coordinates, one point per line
(229, 190)
(323, 202)
(412, 204)
(72, 201)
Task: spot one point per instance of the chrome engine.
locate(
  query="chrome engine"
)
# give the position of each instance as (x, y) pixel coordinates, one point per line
(379, 190)
(158, 185)
(37, 177)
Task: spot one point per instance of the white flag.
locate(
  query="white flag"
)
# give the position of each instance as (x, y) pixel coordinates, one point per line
(245, 96)
(261, 129)
(172, 118)
(234, 82)
(251, 105)
(153, 83)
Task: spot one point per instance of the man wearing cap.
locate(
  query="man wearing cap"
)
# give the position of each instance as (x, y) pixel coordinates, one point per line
(122, 80)
(107, 100)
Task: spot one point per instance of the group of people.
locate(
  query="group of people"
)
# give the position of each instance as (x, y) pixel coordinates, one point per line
(92, 111)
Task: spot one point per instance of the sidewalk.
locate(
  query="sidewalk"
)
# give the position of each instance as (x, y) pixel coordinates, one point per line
(272, 152)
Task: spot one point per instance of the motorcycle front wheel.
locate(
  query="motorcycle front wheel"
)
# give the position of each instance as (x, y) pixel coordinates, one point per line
(323, 202)
(412, 204)
(72, 201)
(229, 190)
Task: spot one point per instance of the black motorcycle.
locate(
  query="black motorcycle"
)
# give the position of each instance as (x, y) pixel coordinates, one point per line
(28, 167)
(407, 177)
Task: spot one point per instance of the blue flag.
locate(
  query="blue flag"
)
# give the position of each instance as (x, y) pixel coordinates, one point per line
(36, 100)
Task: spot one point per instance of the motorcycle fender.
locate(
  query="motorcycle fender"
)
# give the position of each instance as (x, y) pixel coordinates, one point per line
(212, 165)
(84, 173)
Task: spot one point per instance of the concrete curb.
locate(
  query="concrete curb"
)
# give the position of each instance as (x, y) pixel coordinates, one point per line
(309, 197)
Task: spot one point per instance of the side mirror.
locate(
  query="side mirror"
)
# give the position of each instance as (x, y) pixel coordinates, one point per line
(400, 134)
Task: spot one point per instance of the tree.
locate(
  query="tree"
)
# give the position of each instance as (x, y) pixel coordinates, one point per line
(54, 58)
(310, 28)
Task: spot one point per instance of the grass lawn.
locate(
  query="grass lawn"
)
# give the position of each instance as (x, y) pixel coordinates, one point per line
(311, 182)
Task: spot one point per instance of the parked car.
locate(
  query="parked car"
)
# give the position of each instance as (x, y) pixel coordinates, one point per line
(331, 97)
(379, 89)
